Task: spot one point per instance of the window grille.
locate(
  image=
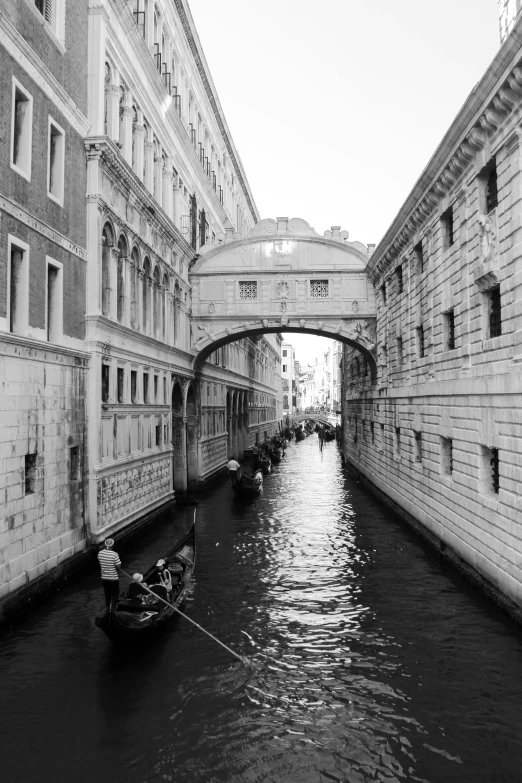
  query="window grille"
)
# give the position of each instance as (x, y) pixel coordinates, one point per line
(383, 293)
(105, 382)
(420, 342)
(121, 377)
(30, 473)
(418, 446)
(248, 289)
(157, 57)
(46, 9)
(400, 284)
(495, 312)
(419, 256)
(491, 188)
(139, 16)
(74, 463)
(450, 317)
(399, 351)
(221, 195)
(177, 99)
(372, 431)
(495, 476)
(447, 455)
(448, 227)
(319, 289)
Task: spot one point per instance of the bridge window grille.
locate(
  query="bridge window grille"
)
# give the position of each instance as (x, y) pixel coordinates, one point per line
(248, 289)
(319, 289)
(495, 312)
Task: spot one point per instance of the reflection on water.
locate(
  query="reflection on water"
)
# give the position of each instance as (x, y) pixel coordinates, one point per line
(372, 662)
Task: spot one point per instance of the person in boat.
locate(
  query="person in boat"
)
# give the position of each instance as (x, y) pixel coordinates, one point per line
(255, 450)
(233, 470)
(164, 575)
(110, 562)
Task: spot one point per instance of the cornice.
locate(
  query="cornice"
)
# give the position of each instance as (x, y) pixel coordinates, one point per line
(199, 58)
(111, 158)
(496, 98)
(40, 348)
(18, 48)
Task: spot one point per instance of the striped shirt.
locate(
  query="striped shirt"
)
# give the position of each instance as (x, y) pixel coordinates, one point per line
(108, 561)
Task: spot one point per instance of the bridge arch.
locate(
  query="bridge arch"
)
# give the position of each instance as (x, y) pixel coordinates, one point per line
(283, 277)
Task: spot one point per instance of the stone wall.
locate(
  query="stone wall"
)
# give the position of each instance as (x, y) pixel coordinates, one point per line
(42, 424)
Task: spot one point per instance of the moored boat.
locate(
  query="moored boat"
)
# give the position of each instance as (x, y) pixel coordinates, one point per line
(137, 616)
(249, 486)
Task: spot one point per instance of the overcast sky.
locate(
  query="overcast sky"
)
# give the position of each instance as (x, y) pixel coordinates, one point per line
(336, 106)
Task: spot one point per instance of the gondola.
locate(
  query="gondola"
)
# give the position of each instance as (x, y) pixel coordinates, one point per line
(276, 454)
(265, 464)
(249, 486)
(137, 617)
(299, 434)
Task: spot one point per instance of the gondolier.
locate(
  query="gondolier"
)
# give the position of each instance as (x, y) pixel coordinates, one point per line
(109, 561)
(233, 468)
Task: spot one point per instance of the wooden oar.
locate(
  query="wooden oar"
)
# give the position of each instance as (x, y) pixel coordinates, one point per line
(241, 658)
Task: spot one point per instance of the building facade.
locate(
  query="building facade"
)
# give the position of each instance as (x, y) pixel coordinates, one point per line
(288, 377)
(164, 179)
(439, 434)
(43, 363)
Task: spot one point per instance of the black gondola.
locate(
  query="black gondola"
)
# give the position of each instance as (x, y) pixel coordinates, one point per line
(137, 616)
(265, 464)
(249, 486)
(276, 454)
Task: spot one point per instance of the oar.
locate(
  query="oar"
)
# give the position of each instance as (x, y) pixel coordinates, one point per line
(241, 658)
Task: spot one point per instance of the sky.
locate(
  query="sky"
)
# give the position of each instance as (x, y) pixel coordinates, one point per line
(336, 107)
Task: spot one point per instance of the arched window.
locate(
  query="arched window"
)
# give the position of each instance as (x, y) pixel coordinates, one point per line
(120, 279)
(107, 245)
(133, 288)
(145, 295)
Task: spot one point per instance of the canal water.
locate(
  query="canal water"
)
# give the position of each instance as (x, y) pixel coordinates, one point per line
(373, 660)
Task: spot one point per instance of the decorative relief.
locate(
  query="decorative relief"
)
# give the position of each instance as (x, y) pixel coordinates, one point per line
(488, 238)
(131, 489)
(213, 453)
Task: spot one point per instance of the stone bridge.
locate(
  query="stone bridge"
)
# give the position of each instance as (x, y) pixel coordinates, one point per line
(322, 418)
(282, 277)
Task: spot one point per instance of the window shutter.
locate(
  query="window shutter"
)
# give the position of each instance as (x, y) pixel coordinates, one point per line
(49, 11)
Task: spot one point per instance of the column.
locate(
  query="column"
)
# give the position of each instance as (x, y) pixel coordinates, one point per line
(158, 179)
(139, 301)
(113, 277)
(113, 108)
(94, 252)
(126, 130)
(149, 160)
(139, 150)
(167, 193)
(149, 26)
(96, 70)
(127, 290)
(150, 294)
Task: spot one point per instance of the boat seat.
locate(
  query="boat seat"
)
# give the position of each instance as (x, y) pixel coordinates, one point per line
(160, 591)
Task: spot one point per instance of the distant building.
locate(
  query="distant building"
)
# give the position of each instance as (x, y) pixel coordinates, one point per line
(288, 377)
(508, 11)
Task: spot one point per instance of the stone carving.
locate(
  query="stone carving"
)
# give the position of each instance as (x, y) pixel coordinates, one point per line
(487, 238)
(280, 251)
(361, 335)
(355, 306)
(302, 323)
(265, 323)
(283, 289)
(284, 321)
(284, 305)
(131, 489)
(320, 325)
(129, 213)
(212, 308)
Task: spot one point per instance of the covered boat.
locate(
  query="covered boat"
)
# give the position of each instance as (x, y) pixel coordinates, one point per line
(137, 616)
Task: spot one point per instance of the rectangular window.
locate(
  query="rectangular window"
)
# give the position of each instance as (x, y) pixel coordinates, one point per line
(490, 471)
(46, 9)
(397, 442)
(449, 329)
(248, 289)
(18, 310)
(156, 381)
(105, 380)
(372, 432)
(134, 386)
(164, 391)
(21, 130)
(490, 184)
(319, 289)
(30, 473)
(446, 456)
(420, 342)
(400, 353)
(55, 162)
(145, 387)
(285, 352)
(494, 312)
(400, 283)
(158, 431)
(54, 315)
(121, 380)
(419, 256)
(382, 442)
(74, 464)
(448, 234)
(417, 446)
(285, 367)
(383, 293)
